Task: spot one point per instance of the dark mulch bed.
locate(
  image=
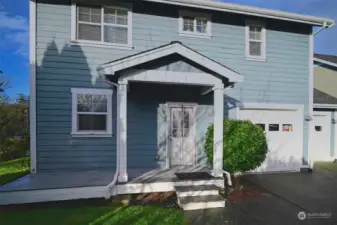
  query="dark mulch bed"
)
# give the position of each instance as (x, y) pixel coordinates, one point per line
(242, 189)
(161, 199)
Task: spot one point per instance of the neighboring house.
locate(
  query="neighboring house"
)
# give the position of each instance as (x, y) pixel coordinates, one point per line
(130, 87)
(324, 139)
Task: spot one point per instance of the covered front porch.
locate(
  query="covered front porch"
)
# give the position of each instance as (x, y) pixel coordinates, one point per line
(59, 186)
(166, 99)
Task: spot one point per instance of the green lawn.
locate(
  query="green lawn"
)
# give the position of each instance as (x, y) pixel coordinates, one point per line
(61, 214)
(13, 169)
(328, 166)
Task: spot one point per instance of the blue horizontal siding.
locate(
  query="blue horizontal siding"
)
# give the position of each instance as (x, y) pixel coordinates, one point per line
(283, 78)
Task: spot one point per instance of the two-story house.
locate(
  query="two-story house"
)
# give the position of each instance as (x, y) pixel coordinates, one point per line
(128, 88)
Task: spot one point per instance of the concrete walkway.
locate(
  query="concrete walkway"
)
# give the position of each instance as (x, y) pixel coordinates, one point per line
(276, 200)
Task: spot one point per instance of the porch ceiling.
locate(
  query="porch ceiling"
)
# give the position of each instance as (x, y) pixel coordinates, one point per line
(112, 67)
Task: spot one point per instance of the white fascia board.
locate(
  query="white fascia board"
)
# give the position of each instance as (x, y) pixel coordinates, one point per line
(325, 106)
(325, 62)
(113, 67)
(248, 10)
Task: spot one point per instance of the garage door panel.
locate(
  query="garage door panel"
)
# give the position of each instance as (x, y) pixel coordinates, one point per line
(284, 133)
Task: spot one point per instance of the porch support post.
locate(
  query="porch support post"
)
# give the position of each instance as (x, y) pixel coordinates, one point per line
(218, 130)
(122, 131)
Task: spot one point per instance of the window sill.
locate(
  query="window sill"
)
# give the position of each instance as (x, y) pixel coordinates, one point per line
(195, 35)
(259, 59)
(100, 44)
(92, 134)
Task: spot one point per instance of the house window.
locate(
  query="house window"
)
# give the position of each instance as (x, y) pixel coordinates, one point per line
(255, 41)
(195, 24)
(91, 111)
(104, 25)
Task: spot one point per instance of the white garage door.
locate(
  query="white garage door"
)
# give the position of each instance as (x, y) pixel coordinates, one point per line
(284, 132)
(321, 137)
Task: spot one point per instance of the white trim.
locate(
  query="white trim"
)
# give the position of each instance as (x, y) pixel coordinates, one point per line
(122, 130)
(32, 97)
(135, 188)
(290, 107)
(195, 15)
(73, 21)
(325, 62)
(74, 28)
(108, 93)
(325, 106)
(47, 195)
(263, 42)
(218, 108)
(311, 98)
(115, 66)
(100, 45)
(172, 77)
(248, 10)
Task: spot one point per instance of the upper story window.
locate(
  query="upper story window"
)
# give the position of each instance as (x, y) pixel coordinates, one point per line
(91, 111)
(195, 24)
(255, 41)
(102, 25)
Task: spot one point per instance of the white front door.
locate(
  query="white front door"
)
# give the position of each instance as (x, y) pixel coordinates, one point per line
(182, 135)
(321, 137)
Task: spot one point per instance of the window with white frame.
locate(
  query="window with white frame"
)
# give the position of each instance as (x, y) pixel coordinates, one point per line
(104, 24)
(195, 24)
(91, 111)
(255, 40)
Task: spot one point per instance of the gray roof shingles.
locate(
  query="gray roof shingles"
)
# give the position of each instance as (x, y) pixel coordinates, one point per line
(323, 98)
(329, 58)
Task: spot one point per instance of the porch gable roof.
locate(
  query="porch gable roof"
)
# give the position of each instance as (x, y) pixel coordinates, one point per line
(112, 67)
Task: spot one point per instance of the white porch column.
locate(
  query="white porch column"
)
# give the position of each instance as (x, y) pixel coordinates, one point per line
(218, 130)
(122, 130)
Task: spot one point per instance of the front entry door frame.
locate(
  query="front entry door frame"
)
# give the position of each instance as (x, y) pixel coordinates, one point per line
(169, 107)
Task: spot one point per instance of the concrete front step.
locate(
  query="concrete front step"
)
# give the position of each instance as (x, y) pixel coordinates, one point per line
(201, 202)
(215, 181)
(199, 190)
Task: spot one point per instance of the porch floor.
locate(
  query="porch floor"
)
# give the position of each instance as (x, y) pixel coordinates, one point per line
(76, 179)
(58, 180)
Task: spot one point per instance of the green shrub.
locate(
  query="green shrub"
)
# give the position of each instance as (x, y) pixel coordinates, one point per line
(245, 145)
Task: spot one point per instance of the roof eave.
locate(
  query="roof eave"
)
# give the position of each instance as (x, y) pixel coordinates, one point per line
(248, 10)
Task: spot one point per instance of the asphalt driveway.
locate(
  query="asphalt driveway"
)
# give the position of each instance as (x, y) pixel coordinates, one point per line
(277, 199)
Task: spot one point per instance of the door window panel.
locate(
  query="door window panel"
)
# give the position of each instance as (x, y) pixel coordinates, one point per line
(287, 128)
(274, 127)
(318, 128)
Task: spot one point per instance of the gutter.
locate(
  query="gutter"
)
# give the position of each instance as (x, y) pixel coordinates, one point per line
(110, 188)
(324, 26)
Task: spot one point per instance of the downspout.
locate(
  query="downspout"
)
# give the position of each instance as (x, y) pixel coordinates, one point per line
(112, 184)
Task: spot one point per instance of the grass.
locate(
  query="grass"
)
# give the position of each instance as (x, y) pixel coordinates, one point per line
(328, 166)
(13, 169)
(84, 214)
